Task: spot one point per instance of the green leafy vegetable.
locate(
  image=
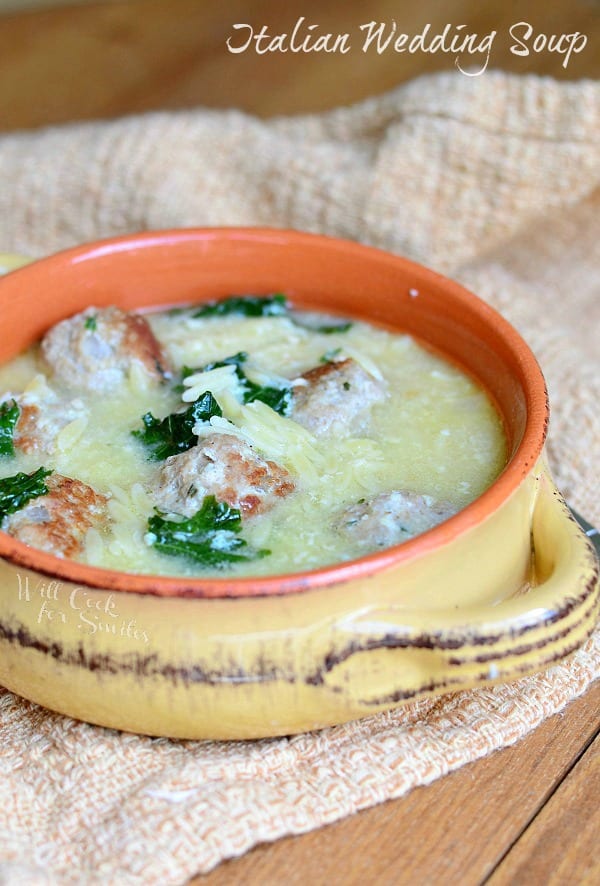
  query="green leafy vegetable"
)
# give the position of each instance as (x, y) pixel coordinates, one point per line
(234, 360)
(91, 322)
(9, 416)
(174, 433)
(329, 329)
(17, 490)
(330, 356)
(210, 537)
(278, 397)
(324, 328)
(246, 306)
(267, 306)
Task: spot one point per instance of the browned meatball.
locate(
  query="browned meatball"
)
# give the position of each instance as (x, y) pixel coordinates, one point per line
(96, 349)
(391, 518)
(337, 398)
(38, 425)
(58, 522)
(226, 467)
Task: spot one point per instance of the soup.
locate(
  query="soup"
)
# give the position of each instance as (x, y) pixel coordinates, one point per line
(240, 437)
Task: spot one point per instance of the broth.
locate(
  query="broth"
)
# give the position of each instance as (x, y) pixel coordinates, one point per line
(433, 432)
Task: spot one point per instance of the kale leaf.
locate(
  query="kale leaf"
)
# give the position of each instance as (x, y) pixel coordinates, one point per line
(330, 356)
(245, 306)
(210, 537)
(267, 306)
(324, 328)
(234, 360)
(9, 416)
(175, 433)
(331, 328)
(278, 397)
(17, 490)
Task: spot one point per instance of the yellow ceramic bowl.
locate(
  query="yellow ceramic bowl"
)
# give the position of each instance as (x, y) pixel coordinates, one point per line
(505, 587)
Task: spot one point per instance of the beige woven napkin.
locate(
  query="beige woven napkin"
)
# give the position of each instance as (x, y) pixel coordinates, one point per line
(492, 180)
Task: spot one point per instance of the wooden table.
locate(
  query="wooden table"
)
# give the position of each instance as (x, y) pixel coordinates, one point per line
(105, 59)
(527, 814)
(524, 815)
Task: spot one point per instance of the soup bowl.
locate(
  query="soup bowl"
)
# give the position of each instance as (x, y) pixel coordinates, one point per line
(505, 587)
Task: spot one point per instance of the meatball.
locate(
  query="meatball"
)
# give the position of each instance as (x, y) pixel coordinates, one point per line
(226, 467)
(58, 521)
(96, 349)
(336, 397)
(391, 518)
(38, 424)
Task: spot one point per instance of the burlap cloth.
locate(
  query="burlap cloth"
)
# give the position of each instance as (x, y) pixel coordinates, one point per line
(492, 180)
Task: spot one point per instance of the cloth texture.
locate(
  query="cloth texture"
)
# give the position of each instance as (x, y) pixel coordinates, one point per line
(492, 180)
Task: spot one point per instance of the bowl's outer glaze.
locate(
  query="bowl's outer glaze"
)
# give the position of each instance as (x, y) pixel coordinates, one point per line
(461, 605)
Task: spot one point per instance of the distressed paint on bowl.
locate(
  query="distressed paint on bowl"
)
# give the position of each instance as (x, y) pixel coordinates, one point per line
(461, 605)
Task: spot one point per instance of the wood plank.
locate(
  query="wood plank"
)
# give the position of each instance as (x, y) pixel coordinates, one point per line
(111, 58)
(455, 830)
(562, 844)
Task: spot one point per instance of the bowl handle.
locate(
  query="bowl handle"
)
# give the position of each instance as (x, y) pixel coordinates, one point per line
(565, 550)
(387, 656)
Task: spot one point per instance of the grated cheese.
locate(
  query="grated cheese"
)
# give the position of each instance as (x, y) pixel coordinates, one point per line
(222, 380)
